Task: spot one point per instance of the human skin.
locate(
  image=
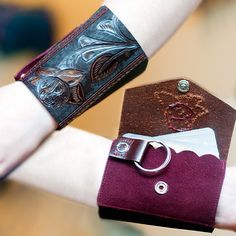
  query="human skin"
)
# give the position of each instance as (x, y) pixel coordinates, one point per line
(69, 151)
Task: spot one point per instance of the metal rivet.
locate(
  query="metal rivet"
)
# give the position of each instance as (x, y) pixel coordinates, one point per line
(183, 86)
(122, 147)
(161, 187)
(22, 76)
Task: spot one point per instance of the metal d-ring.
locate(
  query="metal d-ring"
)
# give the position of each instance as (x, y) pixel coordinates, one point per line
(159, 169)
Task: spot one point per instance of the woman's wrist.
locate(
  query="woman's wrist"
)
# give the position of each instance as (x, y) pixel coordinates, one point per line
(70, 163)
(226, 211)
(24, 122)
(147, 19)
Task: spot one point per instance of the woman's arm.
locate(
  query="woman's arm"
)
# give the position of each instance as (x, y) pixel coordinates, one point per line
(226, 211)
(24, 122)
(71, 164)
(27, 123)
(68, 169)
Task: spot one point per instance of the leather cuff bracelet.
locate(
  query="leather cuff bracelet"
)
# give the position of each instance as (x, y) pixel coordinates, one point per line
(87, 65)
(158, 186)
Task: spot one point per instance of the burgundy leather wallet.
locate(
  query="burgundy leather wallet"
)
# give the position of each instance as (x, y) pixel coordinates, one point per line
(156, 185)
(184, 194)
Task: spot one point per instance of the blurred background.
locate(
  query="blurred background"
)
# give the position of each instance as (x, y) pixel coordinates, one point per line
(204, 49)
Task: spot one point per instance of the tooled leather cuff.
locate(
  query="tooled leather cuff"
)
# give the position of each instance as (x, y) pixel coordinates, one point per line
(159, 186)
(87, 65)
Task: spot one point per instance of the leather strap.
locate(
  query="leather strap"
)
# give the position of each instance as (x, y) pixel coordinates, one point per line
(87, 65)
(131, 149)
(128, 149)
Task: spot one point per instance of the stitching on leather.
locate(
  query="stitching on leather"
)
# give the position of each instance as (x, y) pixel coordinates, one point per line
(102, 90)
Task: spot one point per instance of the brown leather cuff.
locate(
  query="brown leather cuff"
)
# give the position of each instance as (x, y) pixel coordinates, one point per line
(90, 63)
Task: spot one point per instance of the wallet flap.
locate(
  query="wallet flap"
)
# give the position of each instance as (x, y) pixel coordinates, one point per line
(165, 107)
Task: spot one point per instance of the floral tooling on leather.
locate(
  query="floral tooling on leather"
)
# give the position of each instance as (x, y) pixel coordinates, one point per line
(56, 87)
(93, 58)
(181, 111)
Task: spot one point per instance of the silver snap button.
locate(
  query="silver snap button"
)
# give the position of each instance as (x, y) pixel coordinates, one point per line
(183, 86)
(161, 187)
(122, 147)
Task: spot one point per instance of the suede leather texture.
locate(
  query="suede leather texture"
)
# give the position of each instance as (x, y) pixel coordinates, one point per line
(190, 203)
